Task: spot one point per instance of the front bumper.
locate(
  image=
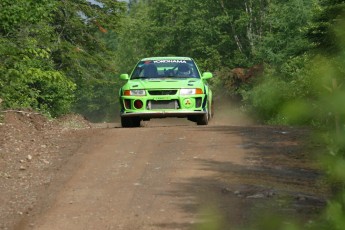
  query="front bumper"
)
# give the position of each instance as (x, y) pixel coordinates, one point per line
(163, 106)
(162, 114)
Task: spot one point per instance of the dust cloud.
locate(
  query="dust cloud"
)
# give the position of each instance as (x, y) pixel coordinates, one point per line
(228, 112)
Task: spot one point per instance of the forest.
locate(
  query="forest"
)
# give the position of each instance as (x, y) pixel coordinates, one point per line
(282, 61)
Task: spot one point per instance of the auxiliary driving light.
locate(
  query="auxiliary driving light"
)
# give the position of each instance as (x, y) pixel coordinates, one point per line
(138, 104)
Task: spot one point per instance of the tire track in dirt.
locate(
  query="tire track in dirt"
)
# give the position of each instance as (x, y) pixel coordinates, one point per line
(131, 179)
(175, 175)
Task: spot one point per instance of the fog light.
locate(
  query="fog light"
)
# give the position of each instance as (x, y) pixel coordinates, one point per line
(138, 104)
(128, 104)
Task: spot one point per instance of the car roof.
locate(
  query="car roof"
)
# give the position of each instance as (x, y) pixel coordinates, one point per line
(166, 58)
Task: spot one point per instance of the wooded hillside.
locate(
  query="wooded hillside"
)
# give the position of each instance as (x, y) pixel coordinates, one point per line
(283, 60)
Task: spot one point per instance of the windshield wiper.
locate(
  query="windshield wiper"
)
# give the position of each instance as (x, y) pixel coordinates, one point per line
(184, 77)
(137, 77)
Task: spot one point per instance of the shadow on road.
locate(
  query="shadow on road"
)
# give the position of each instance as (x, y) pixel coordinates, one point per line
(279, 177)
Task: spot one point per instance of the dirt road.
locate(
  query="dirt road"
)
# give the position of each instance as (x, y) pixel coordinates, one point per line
(169, 174)
(172, 174)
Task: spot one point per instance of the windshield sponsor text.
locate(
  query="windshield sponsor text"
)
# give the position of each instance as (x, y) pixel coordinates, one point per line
(169, 61)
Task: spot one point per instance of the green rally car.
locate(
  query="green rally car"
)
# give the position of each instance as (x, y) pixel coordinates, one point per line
(160, 87)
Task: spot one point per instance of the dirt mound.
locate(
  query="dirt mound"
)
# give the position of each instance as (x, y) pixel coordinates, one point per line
(32, 148)
(73, 121)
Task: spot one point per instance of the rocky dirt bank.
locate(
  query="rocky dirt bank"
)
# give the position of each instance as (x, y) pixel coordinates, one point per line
(32, 151)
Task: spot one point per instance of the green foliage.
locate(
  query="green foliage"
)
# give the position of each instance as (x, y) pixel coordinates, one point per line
(15, 14)
(326, 75)
(133, 38)
(322, 33)
(28, 77)
(335, 214)
(297, 112)
(212, 32)
(213, 220)
(283, 46)
(86, 51)
(285, 25)
(29, 81)
(267, 98)
(59, 55)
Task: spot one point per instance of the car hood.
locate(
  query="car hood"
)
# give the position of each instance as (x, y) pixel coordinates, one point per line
(164, 83)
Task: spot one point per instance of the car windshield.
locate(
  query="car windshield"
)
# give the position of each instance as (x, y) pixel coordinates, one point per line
(165, 69)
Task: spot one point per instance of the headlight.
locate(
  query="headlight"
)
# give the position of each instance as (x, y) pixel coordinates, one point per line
(138, 92)
(190, 91)
(134, 92)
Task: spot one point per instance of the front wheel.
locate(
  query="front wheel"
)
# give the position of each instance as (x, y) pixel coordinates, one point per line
(203, 119)
(130, 122)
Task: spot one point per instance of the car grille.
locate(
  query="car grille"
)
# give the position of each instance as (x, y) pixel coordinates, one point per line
(164, 104)
(162, 92)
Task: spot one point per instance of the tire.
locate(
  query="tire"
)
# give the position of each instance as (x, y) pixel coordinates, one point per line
(203, 119)
(126, 122)
(136, 122)
(130, 122)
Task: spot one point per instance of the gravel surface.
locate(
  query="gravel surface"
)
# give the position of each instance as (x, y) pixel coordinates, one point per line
(70, 174)
(32, 151)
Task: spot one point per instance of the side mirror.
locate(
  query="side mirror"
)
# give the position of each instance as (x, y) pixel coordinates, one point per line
(124, 76)
(206, 75)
